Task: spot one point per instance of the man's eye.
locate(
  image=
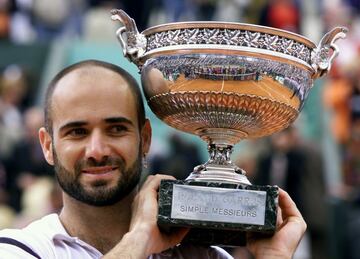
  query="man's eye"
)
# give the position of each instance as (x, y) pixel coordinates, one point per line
(117, 129)
(77, 132)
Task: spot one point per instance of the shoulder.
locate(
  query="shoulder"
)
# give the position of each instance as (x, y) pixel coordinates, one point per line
(38, 236)
(193, 251)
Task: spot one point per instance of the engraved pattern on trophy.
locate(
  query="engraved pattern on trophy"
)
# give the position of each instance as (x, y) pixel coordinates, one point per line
(241, 38)
(239, 117)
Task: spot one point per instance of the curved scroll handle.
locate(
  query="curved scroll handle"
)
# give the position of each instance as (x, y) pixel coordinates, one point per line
(322, 57)
(132, 42)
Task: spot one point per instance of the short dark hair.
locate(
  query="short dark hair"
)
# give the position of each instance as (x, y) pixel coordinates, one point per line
(133, 85)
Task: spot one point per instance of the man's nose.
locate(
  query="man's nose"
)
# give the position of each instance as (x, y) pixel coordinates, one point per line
(97, 147)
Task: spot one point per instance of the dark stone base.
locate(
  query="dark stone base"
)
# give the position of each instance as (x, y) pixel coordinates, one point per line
(212, 232)
(217, 237)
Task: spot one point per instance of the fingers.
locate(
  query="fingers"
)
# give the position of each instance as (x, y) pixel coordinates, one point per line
(144, 217)
(145, 204)
(153, 181)
(149, 191)
(287, 205)
(279, 219)
(289, 211)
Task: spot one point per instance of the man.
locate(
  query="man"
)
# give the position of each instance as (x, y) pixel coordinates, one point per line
(96, 135)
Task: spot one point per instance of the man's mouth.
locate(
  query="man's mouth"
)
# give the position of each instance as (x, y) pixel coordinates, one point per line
(99, 170)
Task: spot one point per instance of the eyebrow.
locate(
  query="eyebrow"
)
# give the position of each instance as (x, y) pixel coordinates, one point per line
(111, 120)
(118, 120)
(72, 124)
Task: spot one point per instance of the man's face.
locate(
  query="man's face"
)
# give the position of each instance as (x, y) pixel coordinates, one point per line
(100, 194)
(96, 146)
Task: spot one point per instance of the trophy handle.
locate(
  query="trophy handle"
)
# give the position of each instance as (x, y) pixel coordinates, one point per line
(132, 42)
(321, 57)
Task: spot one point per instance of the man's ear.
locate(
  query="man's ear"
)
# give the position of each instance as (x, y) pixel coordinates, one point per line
(146, 136)
(46, 145)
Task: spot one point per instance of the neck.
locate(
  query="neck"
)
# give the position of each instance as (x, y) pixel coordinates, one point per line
(101, 227)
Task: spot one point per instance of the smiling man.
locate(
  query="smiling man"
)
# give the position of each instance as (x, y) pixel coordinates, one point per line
(94, 130)
(96, 136)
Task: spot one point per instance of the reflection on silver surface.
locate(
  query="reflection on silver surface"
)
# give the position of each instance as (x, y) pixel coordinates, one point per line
(193, 92)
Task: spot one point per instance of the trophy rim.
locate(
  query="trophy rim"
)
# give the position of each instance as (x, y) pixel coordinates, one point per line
(229, 25)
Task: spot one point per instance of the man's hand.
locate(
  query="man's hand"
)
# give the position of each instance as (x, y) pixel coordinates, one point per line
(144, 217)
(291, 227)
(144, 237)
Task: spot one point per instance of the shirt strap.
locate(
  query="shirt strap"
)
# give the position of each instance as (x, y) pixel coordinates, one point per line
(24, 247)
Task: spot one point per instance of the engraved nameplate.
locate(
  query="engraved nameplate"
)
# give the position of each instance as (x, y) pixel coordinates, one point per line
(218, 204)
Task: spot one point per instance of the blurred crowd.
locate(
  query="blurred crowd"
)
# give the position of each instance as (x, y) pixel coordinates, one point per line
(286, 159)
(26, 21)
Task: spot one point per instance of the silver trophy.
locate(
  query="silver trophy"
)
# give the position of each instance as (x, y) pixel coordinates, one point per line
(223, 82)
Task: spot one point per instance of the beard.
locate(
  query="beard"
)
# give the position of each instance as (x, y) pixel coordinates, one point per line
(99, 194)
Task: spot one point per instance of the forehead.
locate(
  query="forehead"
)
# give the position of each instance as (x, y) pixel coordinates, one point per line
(91, 93)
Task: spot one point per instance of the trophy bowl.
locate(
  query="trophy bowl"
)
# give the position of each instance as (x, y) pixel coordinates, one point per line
(225, 82)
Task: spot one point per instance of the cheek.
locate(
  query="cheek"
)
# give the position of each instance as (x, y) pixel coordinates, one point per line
(128, 150)
(68, 155)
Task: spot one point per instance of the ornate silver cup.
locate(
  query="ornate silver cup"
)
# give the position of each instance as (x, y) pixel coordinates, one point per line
(223, 82)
